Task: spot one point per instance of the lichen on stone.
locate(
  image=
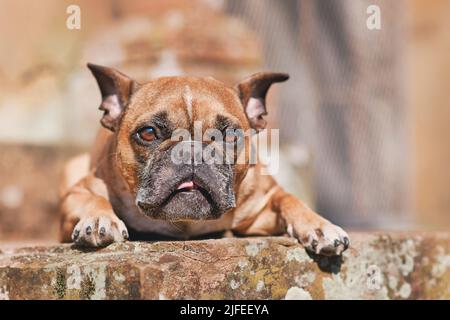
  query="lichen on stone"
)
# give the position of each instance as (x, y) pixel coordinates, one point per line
(296, 293)
(388, 266)
(60, 284)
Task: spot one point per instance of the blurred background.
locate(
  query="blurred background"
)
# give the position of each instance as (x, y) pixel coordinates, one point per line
(363, 120)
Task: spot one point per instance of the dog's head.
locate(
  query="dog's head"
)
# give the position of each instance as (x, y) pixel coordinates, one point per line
(164, 128)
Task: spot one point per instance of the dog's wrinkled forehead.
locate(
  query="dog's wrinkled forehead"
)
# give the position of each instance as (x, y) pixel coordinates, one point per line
(181, 101)
(196, 98)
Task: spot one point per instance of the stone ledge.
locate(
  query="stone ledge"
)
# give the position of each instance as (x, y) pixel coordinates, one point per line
(377, 266)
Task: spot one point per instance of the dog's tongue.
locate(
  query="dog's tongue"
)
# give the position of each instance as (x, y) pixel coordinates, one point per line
(186, 185)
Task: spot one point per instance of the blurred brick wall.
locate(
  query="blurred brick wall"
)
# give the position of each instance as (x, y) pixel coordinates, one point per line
(48, 95)
(49, 100)
(28, 191)
(429, 84)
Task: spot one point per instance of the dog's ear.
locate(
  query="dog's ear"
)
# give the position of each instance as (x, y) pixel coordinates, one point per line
(116, 89)
(252, 92)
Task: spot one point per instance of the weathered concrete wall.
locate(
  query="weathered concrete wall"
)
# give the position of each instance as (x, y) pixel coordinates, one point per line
(377, 266)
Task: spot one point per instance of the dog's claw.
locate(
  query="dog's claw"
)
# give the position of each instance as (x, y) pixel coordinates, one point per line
(346, 243)
(324, 238)
(99, 231)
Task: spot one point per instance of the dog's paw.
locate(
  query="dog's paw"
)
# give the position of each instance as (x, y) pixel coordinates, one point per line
(324, 239)
(99, 231)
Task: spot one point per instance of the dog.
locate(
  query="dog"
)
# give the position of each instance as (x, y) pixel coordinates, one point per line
(129, 187)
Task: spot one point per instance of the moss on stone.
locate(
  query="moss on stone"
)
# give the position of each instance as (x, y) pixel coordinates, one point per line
(60, 284)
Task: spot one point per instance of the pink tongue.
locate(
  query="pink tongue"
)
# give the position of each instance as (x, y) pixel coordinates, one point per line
(186, 185)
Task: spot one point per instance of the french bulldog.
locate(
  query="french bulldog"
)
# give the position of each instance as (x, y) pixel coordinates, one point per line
(129, 186)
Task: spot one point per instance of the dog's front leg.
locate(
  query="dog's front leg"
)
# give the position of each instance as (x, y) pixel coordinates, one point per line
(88, 218)
(314, 232)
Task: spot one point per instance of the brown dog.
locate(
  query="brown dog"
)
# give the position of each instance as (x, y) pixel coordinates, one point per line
(129, 186)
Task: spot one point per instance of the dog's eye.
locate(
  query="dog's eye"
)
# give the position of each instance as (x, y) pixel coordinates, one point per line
(147, 134)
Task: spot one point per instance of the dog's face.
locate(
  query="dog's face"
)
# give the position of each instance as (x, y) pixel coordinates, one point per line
(167, 188)
(166, 127)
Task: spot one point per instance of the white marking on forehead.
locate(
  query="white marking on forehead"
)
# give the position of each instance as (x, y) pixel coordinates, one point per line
(187, 97)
